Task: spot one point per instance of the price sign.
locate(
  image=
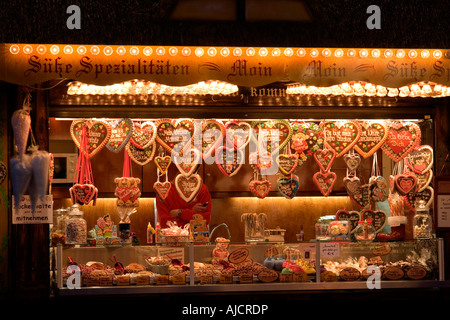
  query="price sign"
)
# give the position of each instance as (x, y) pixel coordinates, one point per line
(142, 280)
(246, 277)
(123, 281)
(329, 250)
(225, 279)
(162, 280)
(179, 279)
(286, 277)
(238, 256)
(206, 279)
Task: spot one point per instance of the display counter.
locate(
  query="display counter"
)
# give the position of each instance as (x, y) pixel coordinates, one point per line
(250, 267)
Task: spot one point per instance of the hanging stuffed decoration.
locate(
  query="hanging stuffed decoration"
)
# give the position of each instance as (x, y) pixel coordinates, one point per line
(83, 190)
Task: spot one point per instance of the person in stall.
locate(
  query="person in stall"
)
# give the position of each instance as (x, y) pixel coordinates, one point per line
(176, 209)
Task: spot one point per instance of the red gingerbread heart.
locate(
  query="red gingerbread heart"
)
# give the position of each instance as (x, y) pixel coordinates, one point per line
(229, 160)
(325, 181)
(213, 132)
(83, 193)
(405, 183)
(341, 136)
(325, 158)
(403, 137)
(373, 136)
(175, 135)
(237, 134)
(260, 188)
(162, 189)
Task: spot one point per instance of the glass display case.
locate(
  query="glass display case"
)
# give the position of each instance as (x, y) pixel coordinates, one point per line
(321, 265)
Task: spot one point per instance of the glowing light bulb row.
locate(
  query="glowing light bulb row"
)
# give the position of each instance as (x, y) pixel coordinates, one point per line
(423, 90)
(224, 51)
(149, 88)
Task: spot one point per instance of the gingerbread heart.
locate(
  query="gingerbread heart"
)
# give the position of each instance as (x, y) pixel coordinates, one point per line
(175, 136)
(121, 131)
(325, 158)
(143, 135)
(373, 136)
(83, 193)
(360, 195)
(352, 160)
(378, 189)
(229, 160)
(188, 162)
(378, 217)
(412, 198)
(163, 163)
(424, 180)
(271, 136)
(162, 189)
(341, 136)
(324, 181)
(141, 156)
(98, 133)
(260, 188)
(403, 137)
(420, 160)
(213, 132)
(307, 138)
(288, 186)
(405, 183)
(237, 134)
(351, 184)
(264, 162)
(188, 186)
(352, 216)
(287, 162)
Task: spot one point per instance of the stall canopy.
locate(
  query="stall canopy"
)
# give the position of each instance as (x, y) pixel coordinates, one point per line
(29, 64)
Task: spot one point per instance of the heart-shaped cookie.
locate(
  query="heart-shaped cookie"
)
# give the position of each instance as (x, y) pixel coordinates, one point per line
(229, 160)
(412, 198)
(260, 188)
(121, 131)
(378, 217)
(325, 181)
(359, 194)
(341, 136)
(188, 186)
(306, 138)
(144, 134)
(351, 184)
(163, 163)
(288, 186)
(352, 216)
(287, 162)
(83, 193)
(352, 160)
(271, 136)
(264, 162)
(97, 132)
(373, 136)
(175, 136)
(141, 156)
(325, 158)
(162, 189)
(405, 183)
(403, 137)
(378, 189)
(420, 160)
(213, 132)
(424, 180)
(188, 162)
(237, 134)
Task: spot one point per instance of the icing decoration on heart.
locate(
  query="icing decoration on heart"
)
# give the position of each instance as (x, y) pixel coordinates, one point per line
(263, 162)
(359, 194)
(373, 136)
(378, 217)
(121, 131)
(229, 160)
(213, 132)
(141, 156)
(143, 134)
(127, 191)
(175, 136)
(324, 158)
(237, 134)
(412, 198)
(403, 137)
(341, 136)
(325, 181)
(188, 186)
(420, 160)
(288, 186)
(307, 138)
(83, 193)
(378, 189)
(163, 163)
(271, 136)
(352, 160)
(351, 184)
(287, 162)
(260, 188)
(162, 189)
(98, 134)
(352, 216)
(424, 180)
(406, 183)
(188, 164)
(3, 172)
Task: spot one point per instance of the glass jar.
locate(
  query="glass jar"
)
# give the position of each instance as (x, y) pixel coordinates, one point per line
(322, 227)
(422, 224)
(76, 227)
(59, 220)
(365, 232)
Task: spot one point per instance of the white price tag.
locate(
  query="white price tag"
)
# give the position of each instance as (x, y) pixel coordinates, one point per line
(443, 211)
(329, 249)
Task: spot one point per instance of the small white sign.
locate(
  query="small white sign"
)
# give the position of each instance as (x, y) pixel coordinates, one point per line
(443, 211)
(43, 213)
(173, 253)
(329, 249)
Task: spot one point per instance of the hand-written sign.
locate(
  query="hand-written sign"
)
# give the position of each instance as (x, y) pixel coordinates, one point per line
(23, 213)
(329, 249)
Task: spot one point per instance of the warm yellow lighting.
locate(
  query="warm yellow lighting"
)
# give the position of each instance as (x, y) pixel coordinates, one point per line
(68, 50)
(339, 53)
(54, 49)
(14, 49)
(237, 52)
(351, 52)
(326, 52)
(121, 50)
(134, 51)
(376, 53)
(225, 52)
(263, 52)
(147, 51)
(412, 54)
(400, 53)
(199, 52)
(301, 52)
(276, 52)
(212, 52)
(288, 52)
(186, 52)
(81, 50)
(437, 54)
(363, 53)
(160, 51)
(314, 53)
(388, 53)
(95, 50)
(107, 51)
(27, 49)
(425, 54)
(41, 49)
